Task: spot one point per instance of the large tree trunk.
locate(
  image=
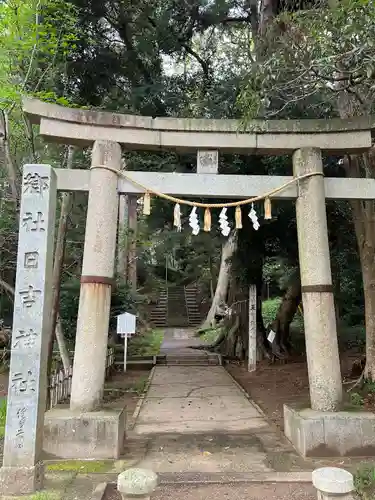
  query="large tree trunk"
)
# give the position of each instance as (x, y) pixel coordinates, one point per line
(368, 274)
(285, 314)
(221, 290)
(65, 208)
(64, 353)
(66, 203)
(132, 245)
(122, 250)
(268, 10)
(364, 225)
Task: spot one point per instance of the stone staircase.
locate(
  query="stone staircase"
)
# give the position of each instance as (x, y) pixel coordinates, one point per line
(159, 314)
(193, 313)
(177, 307)
(184, 359)
(177, 311)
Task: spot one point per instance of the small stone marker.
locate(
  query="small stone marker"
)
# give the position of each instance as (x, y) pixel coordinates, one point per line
(126, 324)
(333, 483)
(22, 471)
(137, 483)
(207, 162)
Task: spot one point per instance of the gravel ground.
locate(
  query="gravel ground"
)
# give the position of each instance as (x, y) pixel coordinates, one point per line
(254, 491)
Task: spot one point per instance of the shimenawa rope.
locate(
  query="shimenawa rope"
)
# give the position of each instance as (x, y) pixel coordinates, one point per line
(181, 201)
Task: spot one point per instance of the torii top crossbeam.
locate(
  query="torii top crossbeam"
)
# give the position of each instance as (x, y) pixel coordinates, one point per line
(275, 137)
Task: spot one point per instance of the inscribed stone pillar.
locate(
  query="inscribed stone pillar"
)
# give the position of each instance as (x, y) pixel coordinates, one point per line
(316, 280)
(22, 471)
(97, 279)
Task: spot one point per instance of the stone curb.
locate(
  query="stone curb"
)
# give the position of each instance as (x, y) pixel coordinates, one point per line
(141, 400)
(239, 477)
(199, 478)
(99, 492)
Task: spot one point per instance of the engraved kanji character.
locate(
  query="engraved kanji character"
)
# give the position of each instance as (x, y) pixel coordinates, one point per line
(32, 223)
(31, 260)
(21, 415)
(26, 337)
(22, 385)
(35, 183)
(29, 296)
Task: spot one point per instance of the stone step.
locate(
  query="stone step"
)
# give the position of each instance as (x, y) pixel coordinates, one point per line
(201, 362)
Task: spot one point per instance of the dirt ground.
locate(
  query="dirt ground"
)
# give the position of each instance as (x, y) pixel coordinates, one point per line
(272, 385)
(4, 384)
(125, 389)
(121, 389)
(254, 491)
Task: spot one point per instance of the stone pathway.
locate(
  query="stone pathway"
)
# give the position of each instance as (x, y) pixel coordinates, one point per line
(196, 419)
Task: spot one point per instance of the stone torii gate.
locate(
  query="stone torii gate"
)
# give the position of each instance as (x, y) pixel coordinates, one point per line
(85, 430)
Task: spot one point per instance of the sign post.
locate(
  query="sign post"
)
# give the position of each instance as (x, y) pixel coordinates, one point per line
(252, 354)
(126, 323)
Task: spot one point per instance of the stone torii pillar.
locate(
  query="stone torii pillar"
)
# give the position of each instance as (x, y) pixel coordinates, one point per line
(316, 281)
(97, 279)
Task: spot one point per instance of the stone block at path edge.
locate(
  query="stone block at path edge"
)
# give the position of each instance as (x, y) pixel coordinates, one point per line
(21, 480)
(75, 435)
(330, 434)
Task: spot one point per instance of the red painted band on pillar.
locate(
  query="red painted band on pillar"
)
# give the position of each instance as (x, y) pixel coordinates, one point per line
(102, 280)
(317, 289)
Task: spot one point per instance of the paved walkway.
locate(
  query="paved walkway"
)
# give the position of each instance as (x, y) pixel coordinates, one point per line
(196, 419)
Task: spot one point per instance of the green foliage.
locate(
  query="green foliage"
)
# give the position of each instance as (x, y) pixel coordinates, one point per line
(69, 300)
(121, 301)
(3, 414)
(34, 37)
(146, 344)
(210, 335)
(364, 482)
(356, 399)
(304, 50)
(42, 495)
(139, 386)
(81, 466)
(269, 309)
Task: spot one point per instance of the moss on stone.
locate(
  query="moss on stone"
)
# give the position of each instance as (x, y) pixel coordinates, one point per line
(81, 466)
(40, 495)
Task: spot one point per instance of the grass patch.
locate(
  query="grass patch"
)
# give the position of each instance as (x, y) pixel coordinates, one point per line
(81, 466)
(147, 344)
(209, 335)
(269, 309)
(364, 482)
(363, 398)
(133, 386)
(40, 495)
(139, 386)
(3, 415)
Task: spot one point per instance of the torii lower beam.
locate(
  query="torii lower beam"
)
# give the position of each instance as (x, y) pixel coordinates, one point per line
(219, 186)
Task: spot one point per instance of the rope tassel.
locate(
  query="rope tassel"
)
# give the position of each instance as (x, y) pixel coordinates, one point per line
(267, 209)
(238, 217)
(207, 220)
(147, 204)
(177, 217)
